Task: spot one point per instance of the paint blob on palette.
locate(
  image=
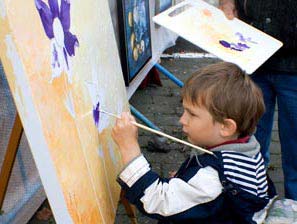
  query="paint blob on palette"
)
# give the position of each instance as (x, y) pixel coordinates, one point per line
(242, 44)
(231, 40)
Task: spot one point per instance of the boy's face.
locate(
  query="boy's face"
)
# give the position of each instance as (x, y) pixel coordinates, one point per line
(199, 125)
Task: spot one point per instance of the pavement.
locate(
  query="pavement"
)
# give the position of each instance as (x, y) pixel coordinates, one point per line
(162, 105)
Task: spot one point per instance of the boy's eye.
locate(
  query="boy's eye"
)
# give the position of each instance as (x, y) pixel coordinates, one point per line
(192, 114)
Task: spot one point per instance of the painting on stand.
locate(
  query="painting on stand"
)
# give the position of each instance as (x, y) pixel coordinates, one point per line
(60, 67)
(135, 40)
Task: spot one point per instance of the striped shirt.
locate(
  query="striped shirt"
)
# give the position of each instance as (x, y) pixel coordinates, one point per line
(247, 172)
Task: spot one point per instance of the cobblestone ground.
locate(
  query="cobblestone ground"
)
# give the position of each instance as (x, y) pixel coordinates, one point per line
(162, 105)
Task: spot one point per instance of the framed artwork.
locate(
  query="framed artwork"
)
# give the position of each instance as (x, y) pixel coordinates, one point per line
(162, 5)
(135, 39)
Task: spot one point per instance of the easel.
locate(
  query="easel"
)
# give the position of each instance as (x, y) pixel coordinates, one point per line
(9, 158)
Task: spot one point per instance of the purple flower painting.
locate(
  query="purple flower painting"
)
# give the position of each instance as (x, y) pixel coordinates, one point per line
(55, 18)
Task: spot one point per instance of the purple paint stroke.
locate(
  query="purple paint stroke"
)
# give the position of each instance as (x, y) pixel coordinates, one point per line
(48, 14)
(233, 46)
(54, 7)
(46, 18)
(243, 39)
(224, 43)
(70, 42)
(235, 49)
(243, 46)
(55, 55)
(96, 114)
(239, 46)
(66, 58)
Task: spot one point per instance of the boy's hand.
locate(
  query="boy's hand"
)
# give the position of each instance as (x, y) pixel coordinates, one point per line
(229, 8)
(124, 133)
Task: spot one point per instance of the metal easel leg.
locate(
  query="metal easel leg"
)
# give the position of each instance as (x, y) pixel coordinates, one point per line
(169, 75)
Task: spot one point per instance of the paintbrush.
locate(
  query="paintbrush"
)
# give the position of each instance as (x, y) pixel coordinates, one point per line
(159, 133)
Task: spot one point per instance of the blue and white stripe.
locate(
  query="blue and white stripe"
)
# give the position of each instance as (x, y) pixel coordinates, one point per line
(247, 172)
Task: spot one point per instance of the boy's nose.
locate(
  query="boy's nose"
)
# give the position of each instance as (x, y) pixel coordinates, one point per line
(182, 119)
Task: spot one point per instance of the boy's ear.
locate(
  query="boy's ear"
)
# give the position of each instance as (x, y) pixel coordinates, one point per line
(228, 128)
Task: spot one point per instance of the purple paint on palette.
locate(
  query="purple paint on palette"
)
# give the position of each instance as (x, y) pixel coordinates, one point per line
(235, 49)
(241, 45)
(244, 39)
(238, 46)
(233, 46)
(96, 114)
(224, 43)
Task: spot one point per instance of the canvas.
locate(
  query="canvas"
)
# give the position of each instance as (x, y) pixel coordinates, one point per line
(62, 65)
(134, 36)
(231, 40)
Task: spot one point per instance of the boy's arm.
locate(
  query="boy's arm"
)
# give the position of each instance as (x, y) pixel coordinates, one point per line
(229, 8)
(162, 198)
(170, 199)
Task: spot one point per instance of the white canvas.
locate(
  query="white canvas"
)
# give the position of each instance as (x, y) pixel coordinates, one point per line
(61, 62)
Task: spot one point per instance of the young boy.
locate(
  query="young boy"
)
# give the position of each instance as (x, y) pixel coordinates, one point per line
(221, 109)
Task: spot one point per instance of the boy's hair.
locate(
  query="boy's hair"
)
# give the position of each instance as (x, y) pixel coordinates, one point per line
(226, 92)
